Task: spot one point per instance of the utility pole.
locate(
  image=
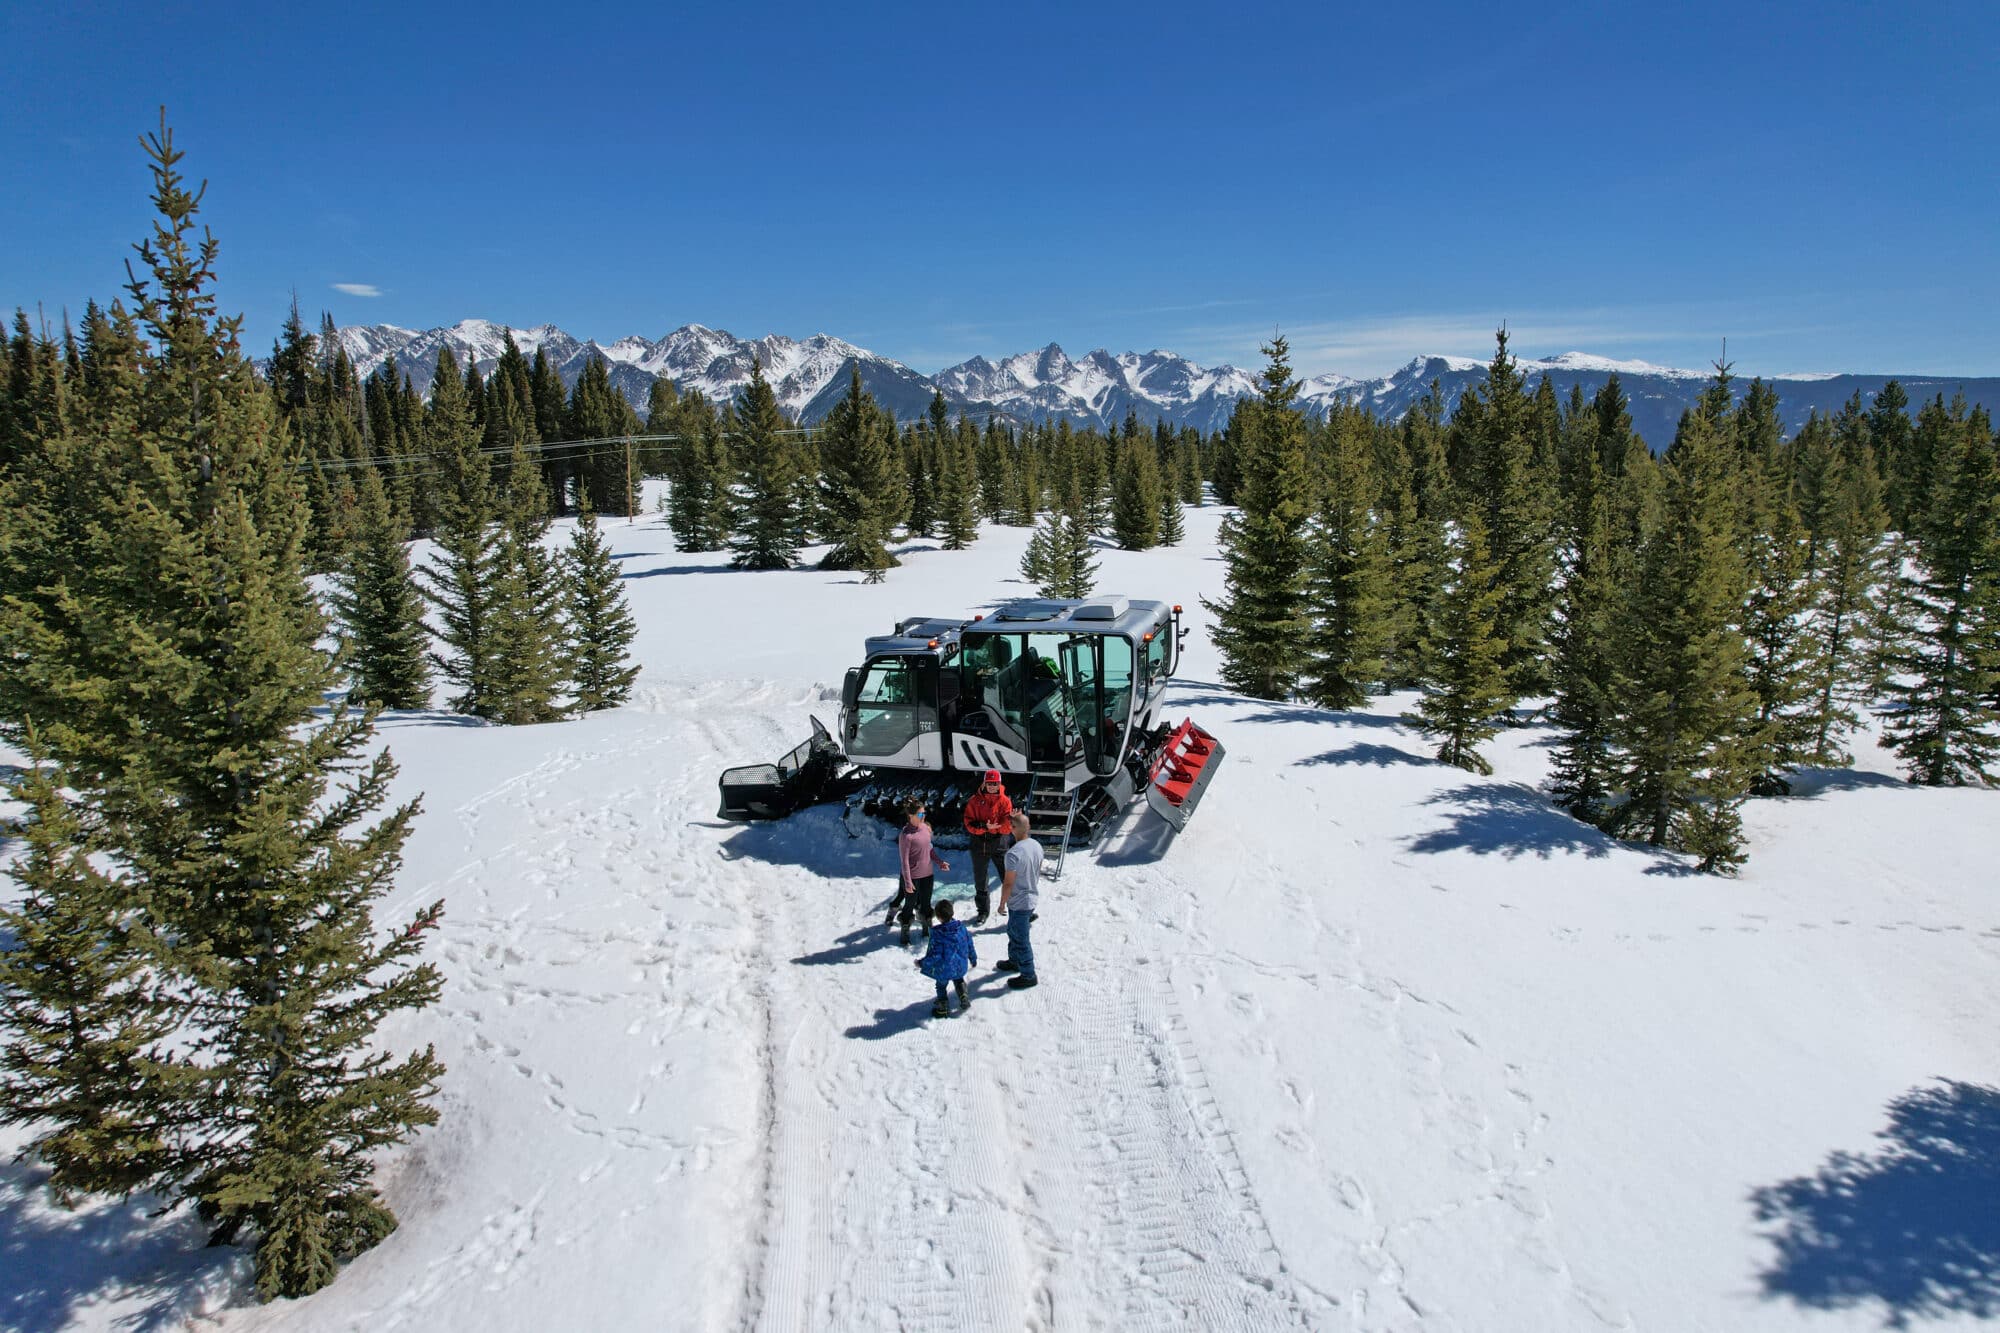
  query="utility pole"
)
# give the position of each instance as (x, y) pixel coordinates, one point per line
(631, 496)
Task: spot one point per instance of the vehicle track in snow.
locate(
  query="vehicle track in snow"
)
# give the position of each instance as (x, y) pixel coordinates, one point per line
(1053, 1160)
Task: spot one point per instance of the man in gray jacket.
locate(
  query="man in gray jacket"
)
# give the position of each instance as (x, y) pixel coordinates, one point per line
(1020, 894)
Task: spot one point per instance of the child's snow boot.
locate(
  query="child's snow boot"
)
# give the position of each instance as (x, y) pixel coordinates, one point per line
(964, 1000)
(940, 1010)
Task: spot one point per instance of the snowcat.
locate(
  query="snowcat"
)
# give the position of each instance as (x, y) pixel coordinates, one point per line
(1063, 697)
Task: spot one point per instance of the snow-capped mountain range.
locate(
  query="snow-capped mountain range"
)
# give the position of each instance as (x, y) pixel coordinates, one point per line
(1096, 389)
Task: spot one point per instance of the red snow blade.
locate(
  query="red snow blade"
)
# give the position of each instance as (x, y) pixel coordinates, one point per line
(1182, 772)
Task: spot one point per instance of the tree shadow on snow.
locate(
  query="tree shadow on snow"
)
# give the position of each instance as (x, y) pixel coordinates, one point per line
(57, 1263)
(677, 569)
(1808, 783)
(1914, 1226)
(1509, 820)
(1367, 752)
(1209, 694)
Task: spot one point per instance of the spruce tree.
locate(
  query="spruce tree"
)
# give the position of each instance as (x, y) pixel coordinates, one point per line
(1947, 666)
(87, 1010)
(1261, 618)
(1853, 565)
(1135, 499)
(380, 611)
(1060, 559)
(1173, 522)
(527, 629)
(1348, 602)
(1687, 723)
(766, 521)
(700, 505)
(1783, 666)
(462, 586)
(958, 486)
(1508, 477)
(1583, 668)
(601, 628)
(860, 483)
(1466, 690)
(191, 629)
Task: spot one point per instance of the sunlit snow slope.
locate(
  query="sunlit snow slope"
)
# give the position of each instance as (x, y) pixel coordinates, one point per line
(1376, 1044)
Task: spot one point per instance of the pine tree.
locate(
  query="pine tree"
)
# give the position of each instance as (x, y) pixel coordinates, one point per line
(860, 483)
(1261, 618)
(1173, 522)
(1495, 433)
(1135, 501)
(87, 1013)
(1946, 728)
(1687, 721)
(527, 629)
(958, 486)
(249, 877)
(601, 628)
(1060, 560)
(1582, 668)
(1466, 691)
(703, 478)
(596, 412)
(1348, 601)
(463, 584)
(1850, 589)
(767, 505)
(1783, 667)
(919, 469)
(381, 612)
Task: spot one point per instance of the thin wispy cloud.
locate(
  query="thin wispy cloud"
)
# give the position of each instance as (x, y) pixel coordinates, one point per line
(358, 288)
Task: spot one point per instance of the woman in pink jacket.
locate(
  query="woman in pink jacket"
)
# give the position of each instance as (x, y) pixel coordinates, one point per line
(913, 850)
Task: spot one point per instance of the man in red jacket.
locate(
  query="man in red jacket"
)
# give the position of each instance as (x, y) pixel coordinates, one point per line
(988, 818)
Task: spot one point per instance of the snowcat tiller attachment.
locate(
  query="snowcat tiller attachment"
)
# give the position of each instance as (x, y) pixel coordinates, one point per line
(1182, 772)
(772, 791)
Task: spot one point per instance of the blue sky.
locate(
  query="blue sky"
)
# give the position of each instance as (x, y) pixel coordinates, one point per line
(1815, 182)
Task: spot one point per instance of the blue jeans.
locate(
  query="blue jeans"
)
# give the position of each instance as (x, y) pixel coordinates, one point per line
(1019, 951)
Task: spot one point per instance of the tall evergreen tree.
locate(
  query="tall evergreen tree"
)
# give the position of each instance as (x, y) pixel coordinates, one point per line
(860, 482)
(1135, 499)
(191, 629)
(1850, 589)
(1261, 618)
(1466, 690)
(1496, 436)
(526, 618)
(1348, 602)
(462, 584)
(767, 507)
(702, 476)
(1173, 522)
(601, 628)
(1947, 666)
(1583, 668)
(381, 612)
(958, 485)
(1686, 727)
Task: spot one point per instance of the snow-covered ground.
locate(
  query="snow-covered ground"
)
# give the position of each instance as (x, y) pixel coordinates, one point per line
(1375, 1044)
